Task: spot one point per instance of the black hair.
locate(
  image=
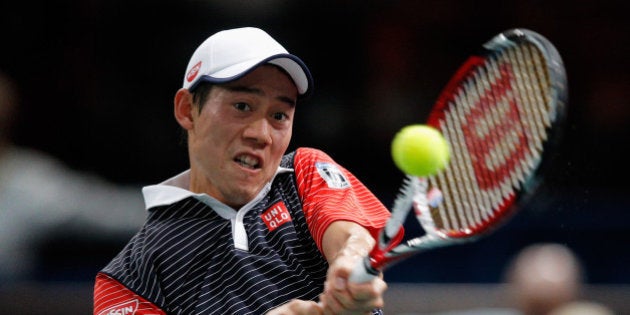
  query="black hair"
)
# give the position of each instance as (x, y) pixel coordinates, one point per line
(199, 97)
(200, 94)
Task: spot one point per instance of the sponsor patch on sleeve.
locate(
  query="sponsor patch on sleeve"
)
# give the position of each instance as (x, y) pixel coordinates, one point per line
(332, 175)
(127, 308)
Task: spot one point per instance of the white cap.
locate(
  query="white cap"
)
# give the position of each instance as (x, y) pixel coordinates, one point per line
(228, 55)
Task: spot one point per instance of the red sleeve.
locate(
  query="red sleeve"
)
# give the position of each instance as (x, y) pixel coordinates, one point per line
(331, 193)
(111, 297)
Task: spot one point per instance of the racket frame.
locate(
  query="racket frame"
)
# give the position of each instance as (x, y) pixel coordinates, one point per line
(413, 191)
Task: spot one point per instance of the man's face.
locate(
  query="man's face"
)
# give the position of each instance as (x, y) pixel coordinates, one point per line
(239, 137)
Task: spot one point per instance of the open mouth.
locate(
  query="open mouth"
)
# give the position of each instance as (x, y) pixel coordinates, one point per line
(248, 161)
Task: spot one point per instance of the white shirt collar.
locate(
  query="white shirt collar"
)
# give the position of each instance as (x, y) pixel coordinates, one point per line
(176, 188)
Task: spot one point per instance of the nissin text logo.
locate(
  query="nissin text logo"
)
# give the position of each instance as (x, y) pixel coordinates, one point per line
(127, 308)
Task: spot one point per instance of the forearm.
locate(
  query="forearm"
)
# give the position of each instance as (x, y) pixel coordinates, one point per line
(345, 238)
(345, 244)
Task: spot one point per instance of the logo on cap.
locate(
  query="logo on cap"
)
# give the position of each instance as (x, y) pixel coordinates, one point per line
(192, 74)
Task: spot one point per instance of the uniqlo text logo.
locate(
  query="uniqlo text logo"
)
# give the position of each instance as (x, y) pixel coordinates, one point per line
(127, 308)
(276, 216)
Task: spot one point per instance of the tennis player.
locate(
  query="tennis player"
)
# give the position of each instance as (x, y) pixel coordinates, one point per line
(249, 228)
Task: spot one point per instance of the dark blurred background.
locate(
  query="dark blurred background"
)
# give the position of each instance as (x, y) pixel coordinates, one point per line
(97, 80)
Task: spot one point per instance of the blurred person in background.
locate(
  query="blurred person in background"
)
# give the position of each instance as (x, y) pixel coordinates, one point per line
(542, 279)
(42, 198)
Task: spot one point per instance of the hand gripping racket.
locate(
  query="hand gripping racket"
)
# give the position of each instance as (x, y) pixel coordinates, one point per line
(499, 113)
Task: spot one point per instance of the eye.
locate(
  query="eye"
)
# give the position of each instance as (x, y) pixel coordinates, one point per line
(243, 107)
(280, 116)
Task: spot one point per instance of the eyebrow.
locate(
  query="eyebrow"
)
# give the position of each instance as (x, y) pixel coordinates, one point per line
(245, 89)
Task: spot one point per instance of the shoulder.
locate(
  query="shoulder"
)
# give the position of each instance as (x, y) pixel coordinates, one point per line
(307, 160)
(302, 156)
(309, 156)
(312, 153)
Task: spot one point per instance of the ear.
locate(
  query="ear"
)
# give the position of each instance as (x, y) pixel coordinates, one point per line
(183, 107)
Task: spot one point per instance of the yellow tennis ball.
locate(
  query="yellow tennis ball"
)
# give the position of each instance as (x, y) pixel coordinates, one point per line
(420, 150)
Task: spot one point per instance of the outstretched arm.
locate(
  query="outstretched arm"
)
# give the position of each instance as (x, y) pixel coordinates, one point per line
(344, 244)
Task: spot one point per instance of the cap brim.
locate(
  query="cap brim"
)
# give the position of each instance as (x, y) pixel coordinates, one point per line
(293, 65)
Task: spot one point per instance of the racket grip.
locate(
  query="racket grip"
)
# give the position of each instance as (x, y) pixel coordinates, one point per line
(363, 271)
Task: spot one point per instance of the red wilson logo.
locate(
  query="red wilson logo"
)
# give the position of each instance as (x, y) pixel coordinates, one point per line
(276, 216)
(192, 74)
(482, 138)
(127, 308)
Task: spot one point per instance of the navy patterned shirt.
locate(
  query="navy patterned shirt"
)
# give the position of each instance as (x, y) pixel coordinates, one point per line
(195, 255)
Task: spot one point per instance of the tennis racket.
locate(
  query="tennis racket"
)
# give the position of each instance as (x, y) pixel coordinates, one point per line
(500, 113)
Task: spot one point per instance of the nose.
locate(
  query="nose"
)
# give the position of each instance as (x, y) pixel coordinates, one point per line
(258, 131)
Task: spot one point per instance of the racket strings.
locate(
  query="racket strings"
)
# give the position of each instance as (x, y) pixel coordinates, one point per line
(496, 124)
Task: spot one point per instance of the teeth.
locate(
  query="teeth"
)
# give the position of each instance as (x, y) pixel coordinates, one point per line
(247, 161)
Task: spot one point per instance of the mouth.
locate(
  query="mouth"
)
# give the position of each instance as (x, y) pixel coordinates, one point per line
(248, 161)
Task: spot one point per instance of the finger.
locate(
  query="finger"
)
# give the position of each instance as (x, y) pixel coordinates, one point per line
(341, 302)
(309, 308)
(330, 304)
(367, 291)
